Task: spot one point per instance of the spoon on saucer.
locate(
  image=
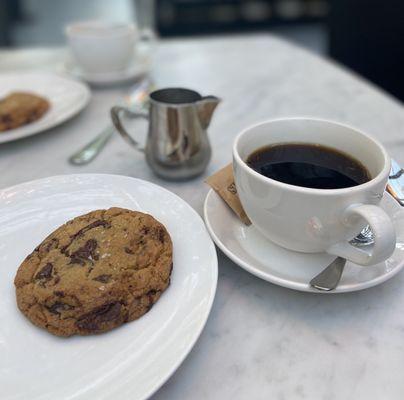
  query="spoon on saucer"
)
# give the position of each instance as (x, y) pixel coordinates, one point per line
(328, 279)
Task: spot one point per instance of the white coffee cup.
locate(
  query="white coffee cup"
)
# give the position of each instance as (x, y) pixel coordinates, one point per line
(102, 47)
(316, 220)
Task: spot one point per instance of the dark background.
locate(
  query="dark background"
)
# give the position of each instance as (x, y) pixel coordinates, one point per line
(364, 35)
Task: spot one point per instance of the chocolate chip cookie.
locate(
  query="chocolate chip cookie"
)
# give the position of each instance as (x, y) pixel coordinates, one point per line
(21, 108)
(95, 272)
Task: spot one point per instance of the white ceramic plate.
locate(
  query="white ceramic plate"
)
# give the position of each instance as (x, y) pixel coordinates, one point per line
(67, 97)
(130, 362)
(256, 254)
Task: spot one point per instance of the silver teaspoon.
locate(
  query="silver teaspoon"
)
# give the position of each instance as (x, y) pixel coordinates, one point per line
(137, 96)
(329, 278)
(93, 148)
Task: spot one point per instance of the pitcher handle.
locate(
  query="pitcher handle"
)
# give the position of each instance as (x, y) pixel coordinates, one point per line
(116, 112)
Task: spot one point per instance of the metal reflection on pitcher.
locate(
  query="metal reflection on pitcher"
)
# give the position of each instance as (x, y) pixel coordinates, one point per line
(177, 144)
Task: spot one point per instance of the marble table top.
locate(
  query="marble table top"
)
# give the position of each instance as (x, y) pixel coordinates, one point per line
(261, 341)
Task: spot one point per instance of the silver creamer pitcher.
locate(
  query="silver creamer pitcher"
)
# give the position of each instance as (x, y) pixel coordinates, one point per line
(177, 145)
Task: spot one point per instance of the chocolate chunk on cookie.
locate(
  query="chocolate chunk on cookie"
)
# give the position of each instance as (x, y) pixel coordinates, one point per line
(95, 272)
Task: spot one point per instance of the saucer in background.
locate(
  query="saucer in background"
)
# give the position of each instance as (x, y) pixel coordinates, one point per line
(138, 67)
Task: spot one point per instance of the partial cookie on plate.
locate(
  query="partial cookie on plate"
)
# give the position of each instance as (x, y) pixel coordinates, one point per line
(20, 108)
(95, 272)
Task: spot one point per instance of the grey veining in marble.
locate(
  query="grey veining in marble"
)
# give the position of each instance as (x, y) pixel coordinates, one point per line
(261, 341)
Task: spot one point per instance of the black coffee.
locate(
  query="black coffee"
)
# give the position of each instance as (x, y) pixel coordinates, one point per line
(308, 165)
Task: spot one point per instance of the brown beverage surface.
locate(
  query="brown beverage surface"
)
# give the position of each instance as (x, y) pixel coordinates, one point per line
(308, 165)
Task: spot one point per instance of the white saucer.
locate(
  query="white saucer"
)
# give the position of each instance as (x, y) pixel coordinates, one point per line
(138, 67)
(253, 252)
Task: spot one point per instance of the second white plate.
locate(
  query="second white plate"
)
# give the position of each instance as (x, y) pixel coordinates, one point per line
(67, 97)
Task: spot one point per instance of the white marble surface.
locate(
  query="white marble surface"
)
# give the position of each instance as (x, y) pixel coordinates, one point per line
(261, 341)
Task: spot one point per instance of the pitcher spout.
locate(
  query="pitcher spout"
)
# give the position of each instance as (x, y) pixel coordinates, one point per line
(206, 106)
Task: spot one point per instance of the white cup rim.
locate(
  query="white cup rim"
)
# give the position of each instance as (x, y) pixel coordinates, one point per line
(71, 29)
(377, 179)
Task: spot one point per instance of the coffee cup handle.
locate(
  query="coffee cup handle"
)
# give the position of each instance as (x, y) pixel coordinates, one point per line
(116, 113)
(383, 233)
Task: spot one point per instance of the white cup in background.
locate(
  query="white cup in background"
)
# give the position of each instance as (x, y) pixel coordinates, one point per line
(102, 47)
(316, 220)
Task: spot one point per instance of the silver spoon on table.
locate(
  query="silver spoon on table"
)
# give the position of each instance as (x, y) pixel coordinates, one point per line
(136, 98)
(328, 279)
